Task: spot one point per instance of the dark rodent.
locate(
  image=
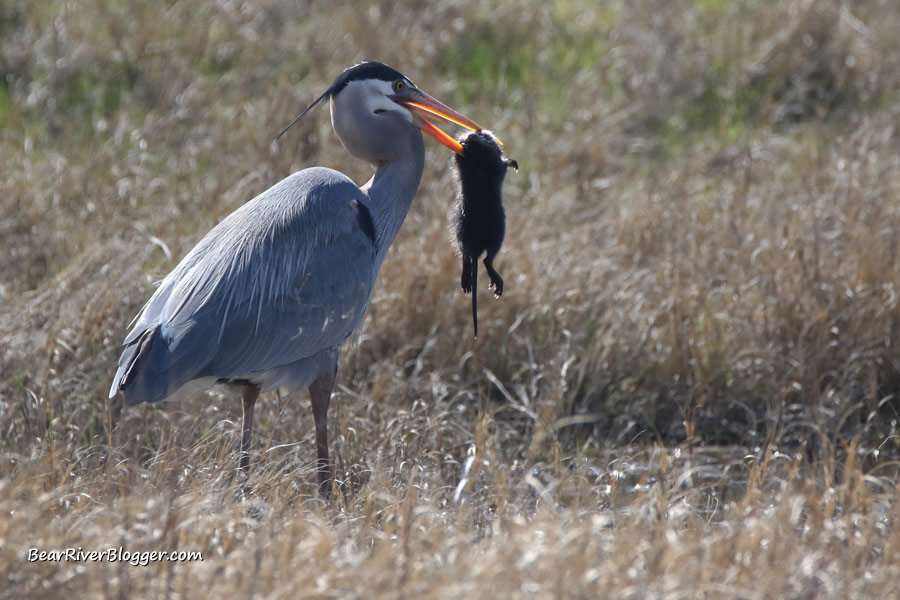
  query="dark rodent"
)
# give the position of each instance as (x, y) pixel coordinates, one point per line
(480, 222)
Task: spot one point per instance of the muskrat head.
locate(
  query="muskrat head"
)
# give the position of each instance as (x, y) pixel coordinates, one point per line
(481, 149)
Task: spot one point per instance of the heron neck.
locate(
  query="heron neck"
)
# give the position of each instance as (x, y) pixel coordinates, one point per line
(391, 191)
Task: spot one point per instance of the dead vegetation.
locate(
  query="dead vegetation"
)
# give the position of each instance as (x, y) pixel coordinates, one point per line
(701, 253)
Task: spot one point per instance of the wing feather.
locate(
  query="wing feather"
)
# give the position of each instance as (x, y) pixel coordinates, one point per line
(283, 277)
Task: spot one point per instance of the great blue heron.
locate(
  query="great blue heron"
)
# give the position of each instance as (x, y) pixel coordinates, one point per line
(270, 293)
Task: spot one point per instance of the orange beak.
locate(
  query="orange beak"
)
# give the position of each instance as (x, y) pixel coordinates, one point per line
(427, 107)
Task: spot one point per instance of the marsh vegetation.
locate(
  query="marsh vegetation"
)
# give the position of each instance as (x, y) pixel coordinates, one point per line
(689, 388)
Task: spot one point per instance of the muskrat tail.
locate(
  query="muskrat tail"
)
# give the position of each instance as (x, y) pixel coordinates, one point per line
(473, 269)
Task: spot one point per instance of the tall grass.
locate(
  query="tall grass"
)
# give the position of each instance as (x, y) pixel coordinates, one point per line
(701, 252)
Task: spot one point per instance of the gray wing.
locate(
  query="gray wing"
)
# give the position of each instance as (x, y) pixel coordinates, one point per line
(283, 277)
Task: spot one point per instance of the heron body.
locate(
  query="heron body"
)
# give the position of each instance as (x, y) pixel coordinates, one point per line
(267, 297)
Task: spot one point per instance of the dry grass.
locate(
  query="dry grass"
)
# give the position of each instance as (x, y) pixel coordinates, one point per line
(689, 389)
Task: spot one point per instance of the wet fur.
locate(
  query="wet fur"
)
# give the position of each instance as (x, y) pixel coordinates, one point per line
(479, 220)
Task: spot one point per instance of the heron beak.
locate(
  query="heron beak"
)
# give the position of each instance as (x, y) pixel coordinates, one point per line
(427, 107)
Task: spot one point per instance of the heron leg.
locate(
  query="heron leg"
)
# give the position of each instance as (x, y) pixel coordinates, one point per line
(320, 395)
(249, 395)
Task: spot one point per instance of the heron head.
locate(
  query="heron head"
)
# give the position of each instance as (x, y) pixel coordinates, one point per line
(371, 98)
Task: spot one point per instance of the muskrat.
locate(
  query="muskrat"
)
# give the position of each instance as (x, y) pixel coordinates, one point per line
(480, 222)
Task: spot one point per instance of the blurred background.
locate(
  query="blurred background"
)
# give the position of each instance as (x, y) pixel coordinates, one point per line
(702, 238)
(688, 389)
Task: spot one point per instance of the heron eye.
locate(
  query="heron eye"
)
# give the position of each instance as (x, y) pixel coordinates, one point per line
(399, 85)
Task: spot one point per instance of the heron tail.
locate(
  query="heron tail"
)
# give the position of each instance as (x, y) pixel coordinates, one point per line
(133, 355)
(145, 372)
